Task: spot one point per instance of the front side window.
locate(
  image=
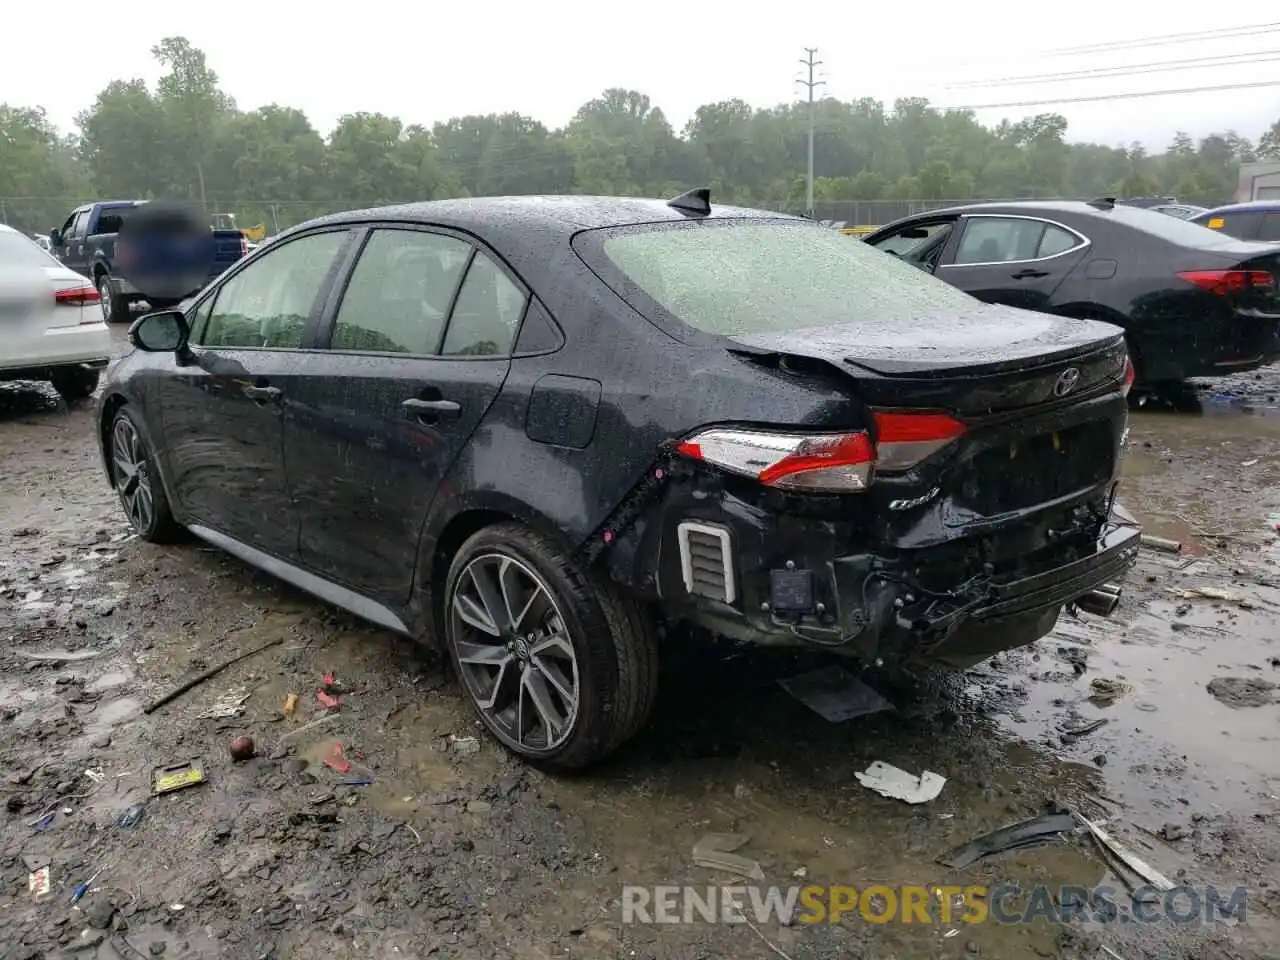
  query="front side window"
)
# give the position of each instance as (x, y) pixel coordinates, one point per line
(267, 304)
(909, 240)
(487, 314)
(733, 277)
(400, 292)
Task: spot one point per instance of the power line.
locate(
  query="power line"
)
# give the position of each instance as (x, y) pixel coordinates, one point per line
(1159, 66)
(1168, 39)
(1120, 96)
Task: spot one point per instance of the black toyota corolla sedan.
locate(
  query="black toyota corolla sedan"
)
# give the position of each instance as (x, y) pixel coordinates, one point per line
(541, 428)
(1192, 302)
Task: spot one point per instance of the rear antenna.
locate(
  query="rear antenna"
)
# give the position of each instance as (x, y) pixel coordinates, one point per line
(696, 201)
(1103, 203)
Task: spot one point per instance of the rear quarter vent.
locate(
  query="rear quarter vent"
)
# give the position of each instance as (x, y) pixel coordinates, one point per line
(706, 561)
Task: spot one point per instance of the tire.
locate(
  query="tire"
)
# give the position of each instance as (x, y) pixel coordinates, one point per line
(613, 647)
(137, 481)
(115, 308)
(74, 383)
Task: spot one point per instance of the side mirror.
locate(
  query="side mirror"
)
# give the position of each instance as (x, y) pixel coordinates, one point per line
(163, 332)
(55, 238)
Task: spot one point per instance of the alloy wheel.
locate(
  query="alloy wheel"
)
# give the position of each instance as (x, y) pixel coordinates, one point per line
(104, 298)
(514, 652)
(132, 475)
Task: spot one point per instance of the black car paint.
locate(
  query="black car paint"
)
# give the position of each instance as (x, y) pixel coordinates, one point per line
(573, 436)
(1127, 275)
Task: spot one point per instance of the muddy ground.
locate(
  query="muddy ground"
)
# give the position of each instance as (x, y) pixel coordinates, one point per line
(453, 850)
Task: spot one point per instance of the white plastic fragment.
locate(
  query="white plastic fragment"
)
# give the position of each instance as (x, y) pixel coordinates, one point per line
(889, 781)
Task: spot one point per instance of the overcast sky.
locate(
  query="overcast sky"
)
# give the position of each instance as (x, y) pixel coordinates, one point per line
(426, 62)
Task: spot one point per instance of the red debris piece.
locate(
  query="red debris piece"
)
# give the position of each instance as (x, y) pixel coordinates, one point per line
(329, 680)
(327, 701)
(335, 761)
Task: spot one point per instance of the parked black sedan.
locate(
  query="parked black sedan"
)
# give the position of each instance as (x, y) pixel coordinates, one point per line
(1192, 303)
(540, 428)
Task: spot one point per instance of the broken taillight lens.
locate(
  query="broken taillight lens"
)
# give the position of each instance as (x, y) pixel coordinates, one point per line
(1128, 376)
(825, 462)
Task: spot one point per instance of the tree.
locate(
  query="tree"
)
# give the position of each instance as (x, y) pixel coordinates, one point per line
(187, 138)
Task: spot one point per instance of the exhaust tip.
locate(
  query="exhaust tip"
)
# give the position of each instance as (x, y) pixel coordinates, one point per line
(1099, 602)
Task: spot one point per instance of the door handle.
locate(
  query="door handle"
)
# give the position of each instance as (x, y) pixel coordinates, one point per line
(261, 394)
(1029, 274)
(429, 411)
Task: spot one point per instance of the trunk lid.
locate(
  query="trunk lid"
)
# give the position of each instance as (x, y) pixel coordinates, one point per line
(991, 358)
(1039, 396)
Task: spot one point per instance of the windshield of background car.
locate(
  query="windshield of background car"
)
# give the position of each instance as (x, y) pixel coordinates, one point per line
(732, 277)
(17, 251)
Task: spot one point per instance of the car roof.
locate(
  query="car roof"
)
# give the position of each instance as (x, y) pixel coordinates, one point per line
(1249, 206)
(1043, 207)
(561, 214)
(5, 228)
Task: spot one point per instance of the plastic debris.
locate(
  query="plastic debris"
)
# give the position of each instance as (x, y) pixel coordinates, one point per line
(1038, 830)
(82, 888)
(335, 760)
(715, 852)
(290, 705)
(1160, 544)
(834, 694)
(228, 705)
(38, 881)
(326, 701)
(177, 777)
(463, 745)
(889, 781)
(1131, 860)
(131, 817)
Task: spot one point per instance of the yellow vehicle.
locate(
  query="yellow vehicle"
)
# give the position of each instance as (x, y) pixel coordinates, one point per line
(227, 221)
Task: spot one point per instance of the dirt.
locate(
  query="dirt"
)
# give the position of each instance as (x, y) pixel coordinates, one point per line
(434, 843)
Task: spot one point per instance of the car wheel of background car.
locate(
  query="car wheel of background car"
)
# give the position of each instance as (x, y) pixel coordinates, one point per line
(561, 668)
(115, 308)
(74, 383)
(137, 481)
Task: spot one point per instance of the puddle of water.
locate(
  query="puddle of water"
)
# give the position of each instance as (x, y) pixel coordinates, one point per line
(110, 680)
(110, 715)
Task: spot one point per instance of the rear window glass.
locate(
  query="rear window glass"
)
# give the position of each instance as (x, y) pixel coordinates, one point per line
(733, 277)
(1182, 232)
(17, 251)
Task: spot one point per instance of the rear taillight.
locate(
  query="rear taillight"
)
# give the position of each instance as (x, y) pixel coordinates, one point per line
(1128, 376)
(77, 296)
(825, 462)
(1227, 282)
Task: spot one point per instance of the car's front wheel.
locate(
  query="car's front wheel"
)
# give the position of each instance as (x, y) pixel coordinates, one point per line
(137, 482)
(562, 669)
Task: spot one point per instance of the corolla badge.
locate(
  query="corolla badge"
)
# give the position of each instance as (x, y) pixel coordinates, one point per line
(1066, 382)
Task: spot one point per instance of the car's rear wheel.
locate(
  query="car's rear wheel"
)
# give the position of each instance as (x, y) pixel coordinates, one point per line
(137, 481)
(115, 308)
(74, 383)
(561, 668)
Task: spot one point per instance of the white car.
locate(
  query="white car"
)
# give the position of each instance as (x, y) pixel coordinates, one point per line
(51, 325)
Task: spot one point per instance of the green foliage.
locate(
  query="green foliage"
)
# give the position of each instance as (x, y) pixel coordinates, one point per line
(186, 138)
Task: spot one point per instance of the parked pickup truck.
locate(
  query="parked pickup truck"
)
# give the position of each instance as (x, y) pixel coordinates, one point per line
(162, 264)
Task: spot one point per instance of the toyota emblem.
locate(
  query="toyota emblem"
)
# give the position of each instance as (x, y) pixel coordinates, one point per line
(1067, 381)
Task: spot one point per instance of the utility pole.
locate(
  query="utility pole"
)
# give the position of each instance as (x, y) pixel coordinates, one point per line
(810, 64)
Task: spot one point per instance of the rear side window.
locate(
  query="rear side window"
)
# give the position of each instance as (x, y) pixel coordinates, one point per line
(399, 293)
(733, 277)
(487, 313)
(1009, 239)
(17, 251)
(1270, 227)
